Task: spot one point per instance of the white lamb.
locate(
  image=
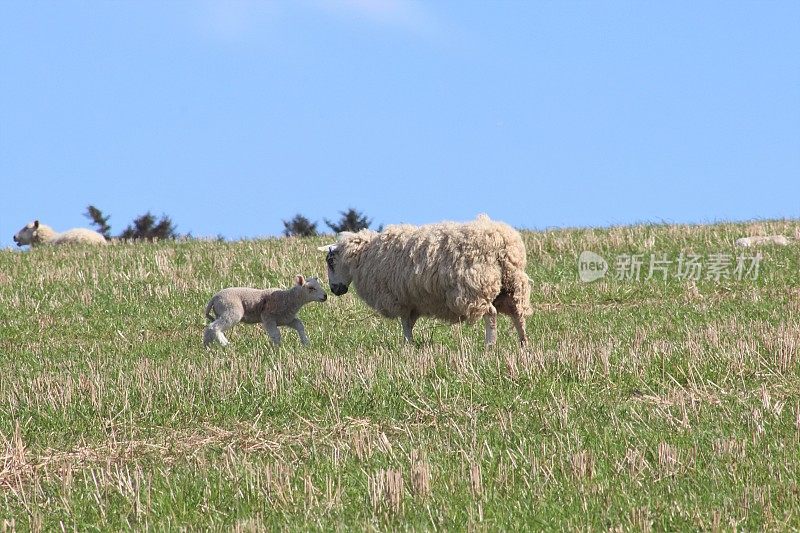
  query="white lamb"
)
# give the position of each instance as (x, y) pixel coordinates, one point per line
(758, 240)
(35, 234)
(455, 272)
(270, 307)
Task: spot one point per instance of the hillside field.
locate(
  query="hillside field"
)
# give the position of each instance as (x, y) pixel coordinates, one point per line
(667, 403)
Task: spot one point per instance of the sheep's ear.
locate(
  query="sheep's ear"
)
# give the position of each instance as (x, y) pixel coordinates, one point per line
(327, 248)
(345, 234)
(35, 224)
(299, 279)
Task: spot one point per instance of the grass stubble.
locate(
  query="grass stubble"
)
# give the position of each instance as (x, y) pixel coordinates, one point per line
(640, 405)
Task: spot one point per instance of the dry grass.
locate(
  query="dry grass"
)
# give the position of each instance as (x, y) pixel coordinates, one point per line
(650, 405)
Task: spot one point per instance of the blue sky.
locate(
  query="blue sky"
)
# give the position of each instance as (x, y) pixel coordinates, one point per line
(231, 116)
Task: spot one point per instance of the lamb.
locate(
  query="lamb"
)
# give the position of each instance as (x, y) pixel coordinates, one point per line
(457, 272)
(35, 233)
(270, 307)
(747, 242)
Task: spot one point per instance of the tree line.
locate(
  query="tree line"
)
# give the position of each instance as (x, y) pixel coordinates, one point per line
(147, 227)
(144, 227)
(350, 220)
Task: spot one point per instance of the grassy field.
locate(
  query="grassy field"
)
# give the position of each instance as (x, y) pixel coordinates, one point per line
(663, 404)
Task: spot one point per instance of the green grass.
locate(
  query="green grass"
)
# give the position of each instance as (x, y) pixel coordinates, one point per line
(660, 404)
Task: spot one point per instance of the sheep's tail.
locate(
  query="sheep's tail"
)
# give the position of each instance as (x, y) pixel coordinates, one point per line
(518, 285)
(209, 305)
(515, 281)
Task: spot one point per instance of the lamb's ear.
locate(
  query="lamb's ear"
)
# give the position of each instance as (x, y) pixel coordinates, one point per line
(327, 248)
(344, 234)
(35, 224)
(299, 279)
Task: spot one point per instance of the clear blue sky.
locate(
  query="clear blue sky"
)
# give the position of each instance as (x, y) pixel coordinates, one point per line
(231, 116)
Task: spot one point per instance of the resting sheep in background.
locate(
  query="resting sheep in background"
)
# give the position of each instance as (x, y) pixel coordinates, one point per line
(455, 272)
(747, 242)
(35, 234)
(270, 307)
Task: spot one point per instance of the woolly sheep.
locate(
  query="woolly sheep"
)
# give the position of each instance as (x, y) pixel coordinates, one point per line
(35, 233)
(270, 307)
(747, 242)
(452, 271)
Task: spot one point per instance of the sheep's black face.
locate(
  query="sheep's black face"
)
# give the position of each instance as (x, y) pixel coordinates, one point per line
(338, 276)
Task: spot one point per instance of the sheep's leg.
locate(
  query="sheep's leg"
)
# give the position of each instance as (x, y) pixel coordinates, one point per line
(408, 325)
(272, 330)
(215, 330)
(519, 325)
(505, 304)
(297, 324)
(490, 319)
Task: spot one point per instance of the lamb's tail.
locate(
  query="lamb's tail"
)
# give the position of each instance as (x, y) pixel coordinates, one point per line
(209, 305)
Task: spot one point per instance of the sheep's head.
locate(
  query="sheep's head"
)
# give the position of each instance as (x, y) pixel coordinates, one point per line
(339, 277)
(345, 256)
(28, 235)
(311, 289)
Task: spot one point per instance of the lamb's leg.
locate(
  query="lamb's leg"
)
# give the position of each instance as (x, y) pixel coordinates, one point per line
(272, 330)
(297, 324)
(490, 318)
(215, 330)
(208, 336)
(408, 325)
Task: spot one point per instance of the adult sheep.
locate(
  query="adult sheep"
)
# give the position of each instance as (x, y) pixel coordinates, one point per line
(458, 272)
(35, 234)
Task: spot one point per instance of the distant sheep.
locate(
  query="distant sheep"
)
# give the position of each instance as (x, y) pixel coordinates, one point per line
(270, 307)
(35, 234)
(452, 271)
(747, 242)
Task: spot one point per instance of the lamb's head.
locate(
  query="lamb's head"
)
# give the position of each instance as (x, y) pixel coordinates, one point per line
(310, 289)
(28, 235)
